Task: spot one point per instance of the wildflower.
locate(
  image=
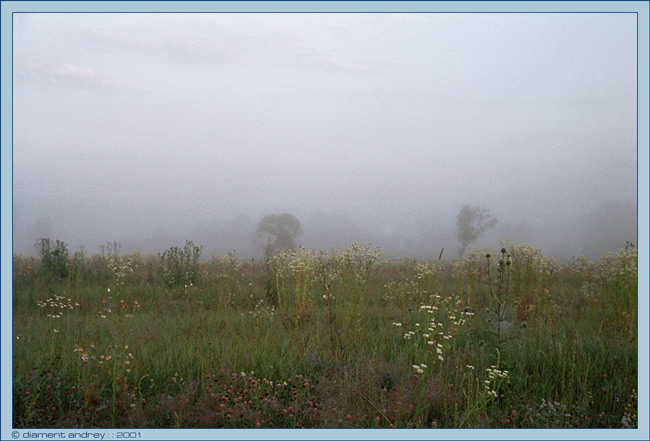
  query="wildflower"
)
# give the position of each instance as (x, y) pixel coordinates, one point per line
(469, 366)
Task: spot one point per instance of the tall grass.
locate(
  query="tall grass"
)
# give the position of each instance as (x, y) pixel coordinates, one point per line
(340, 339)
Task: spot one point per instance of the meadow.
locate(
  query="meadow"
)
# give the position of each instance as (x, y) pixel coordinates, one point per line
(344, 339)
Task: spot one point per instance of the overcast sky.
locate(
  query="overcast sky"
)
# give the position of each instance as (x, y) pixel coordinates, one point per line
(149, 128)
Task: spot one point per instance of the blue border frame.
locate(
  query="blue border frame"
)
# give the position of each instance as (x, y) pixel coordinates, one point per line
(641, 8)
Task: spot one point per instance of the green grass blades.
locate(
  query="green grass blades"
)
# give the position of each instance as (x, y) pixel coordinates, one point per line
(325, 340)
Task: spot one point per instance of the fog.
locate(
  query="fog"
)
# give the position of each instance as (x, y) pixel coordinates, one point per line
(150, 129)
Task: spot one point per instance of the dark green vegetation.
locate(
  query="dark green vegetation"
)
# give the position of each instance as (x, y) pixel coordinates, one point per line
(306, 339)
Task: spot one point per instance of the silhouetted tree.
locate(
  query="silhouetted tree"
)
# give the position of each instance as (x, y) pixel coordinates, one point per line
(279, 230)
(471, 223)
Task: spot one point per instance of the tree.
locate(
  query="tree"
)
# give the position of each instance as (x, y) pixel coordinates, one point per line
(471, 223)
(279, 230)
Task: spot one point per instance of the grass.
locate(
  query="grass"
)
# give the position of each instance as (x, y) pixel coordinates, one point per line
(308, 339)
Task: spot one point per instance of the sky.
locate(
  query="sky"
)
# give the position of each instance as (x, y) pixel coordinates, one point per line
(150, 129)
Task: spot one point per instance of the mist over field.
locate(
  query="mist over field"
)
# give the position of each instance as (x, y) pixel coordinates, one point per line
(150, 129)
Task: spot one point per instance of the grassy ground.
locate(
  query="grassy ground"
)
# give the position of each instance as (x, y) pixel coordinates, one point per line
(305, 339)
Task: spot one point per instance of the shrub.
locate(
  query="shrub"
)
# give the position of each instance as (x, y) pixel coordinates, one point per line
(180, 266)
(54, 258)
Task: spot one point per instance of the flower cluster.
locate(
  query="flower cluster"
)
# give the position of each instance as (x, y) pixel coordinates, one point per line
(422, 271)
(531, 261)
(584, 267)
(123, 307)
(302, 262)
(495, 379)
(357, 261)
(618, 268)
(426, 275)
(444, 316)
(261, 310)
(116, 353)
(469, 267)
(420, 368)
(120, 268)
(628, 420)
(552, 410)
(55, 306)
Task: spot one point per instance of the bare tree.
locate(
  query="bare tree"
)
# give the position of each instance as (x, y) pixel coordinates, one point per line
(279, 230)
(471, 223)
